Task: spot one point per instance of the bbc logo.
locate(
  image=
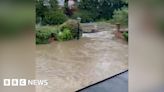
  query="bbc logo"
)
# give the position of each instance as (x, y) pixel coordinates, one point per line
(14, 82)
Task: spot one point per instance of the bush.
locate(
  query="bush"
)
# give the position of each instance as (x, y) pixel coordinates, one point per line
(66, 31)
(72, 25)
(125, 34)
(55, 18)
(65, 35)
(100, 9)
(121, 16)
(44, 33)
(86, 16)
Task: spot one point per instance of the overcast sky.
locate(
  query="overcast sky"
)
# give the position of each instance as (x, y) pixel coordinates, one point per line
(61, 2)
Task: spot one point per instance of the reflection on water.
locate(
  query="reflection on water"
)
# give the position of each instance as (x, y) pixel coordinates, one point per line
(72, 65)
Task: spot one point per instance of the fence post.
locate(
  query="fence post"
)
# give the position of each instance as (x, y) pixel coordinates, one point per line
(118, 27)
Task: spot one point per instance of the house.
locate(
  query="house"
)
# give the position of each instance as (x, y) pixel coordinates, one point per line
(70, 2)
(71, 7)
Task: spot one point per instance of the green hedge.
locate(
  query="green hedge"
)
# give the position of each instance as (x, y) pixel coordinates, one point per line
(55, 18)
(66, 31)
(121, 16)
(44, 33)
(64, 35)
(72, 25)
(85, 16)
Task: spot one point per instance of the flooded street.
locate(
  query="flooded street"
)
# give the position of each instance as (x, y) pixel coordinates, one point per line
(72, 65)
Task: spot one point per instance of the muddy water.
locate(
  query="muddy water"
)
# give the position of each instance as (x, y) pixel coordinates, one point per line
(72, 65)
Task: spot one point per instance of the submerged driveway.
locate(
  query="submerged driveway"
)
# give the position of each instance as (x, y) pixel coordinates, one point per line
(72, 65)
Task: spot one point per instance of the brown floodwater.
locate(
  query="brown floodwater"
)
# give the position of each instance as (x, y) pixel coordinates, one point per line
(72, 65)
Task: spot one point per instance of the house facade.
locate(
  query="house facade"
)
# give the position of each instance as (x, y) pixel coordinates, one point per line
(70, 2)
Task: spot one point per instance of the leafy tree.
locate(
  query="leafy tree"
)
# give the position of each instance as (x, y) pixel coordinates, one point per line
(53, 4)
(88, 5)
(44, 7)
(40, 10)
(55, 17)
(101, 9)
(121, 16)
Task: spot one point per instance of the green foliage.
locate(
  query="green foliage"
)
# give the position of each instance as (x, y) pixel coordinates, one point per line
(53, 5)
(85, 16)
(66, 31)
(72, 25)
(40, 10)
(42, 37)
(44, 33)
(121, 16)
(49, 13)
(126, 1)
(101, 9)
(55, 17)
(65, 35)
(125, 34)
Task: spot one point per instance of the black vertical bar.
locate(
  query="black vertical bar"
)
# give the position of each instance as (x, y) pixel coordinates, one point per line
(78, 33)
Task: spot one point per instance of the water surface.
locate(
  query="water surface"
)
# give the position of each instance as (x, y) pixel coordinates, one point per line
(72, 65)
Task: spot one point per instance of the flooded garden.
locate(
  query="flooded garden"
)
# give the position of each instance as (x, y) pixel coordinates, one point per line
(74, 64)
(79, 44)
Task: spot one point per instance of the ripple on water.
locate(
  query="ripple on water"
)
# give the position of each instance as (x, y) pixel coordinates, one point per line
(75, 64)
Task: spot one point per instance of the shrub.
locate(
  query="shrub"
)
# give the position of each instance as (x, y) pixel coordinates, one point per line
(125, 34)
(42, 37)
(65, 35)
(86, 16)
(121, 16)
(101, 9)
(44, 33)
(72, 25)
(66, 31)
(55, 18)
